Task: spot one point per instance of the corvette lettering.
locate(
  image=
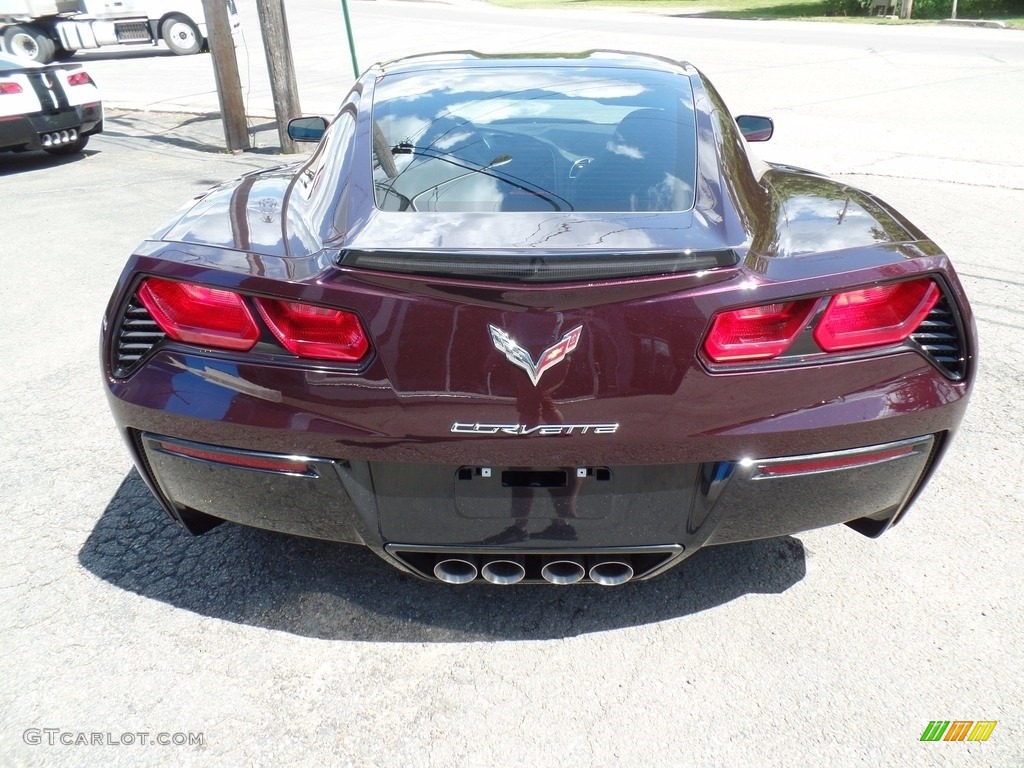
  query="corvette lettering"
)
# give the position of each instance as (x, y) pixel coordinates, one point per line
(520, 358)
(466, 428)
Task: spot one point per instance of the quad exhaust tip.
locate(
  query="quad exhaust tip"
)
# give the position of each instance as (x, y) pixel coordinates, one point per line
(565, 570)
(57, 138)
(504, 571)
(609, 572)
(455, 570)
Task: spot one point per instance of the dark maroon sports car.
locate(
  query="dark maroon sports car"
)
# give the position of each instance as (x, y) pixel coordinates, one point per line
(537, 319)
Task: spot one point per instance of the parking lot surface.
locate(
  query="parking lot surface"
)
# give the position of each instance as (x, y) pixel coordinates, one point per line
(246, 647)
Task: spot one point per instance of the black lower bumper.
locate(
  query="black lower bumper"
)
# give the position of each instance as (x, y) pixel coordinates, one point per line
(27, 132)
(418, 515)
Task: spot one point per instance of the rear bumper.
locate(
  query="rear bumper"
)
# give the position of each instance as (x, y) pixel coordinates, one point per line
(416, 515)
(25, 132)
(392, 453)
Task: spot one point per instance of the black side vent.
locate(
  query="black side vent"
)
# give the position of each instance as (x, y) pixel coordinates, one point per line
(137, 334)
(941, 338)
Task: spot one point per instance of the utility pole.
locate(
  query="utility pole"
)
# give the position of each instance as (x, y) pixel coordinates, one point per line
(225, 70)
(953, 15)
(281, 68)
(907, 9)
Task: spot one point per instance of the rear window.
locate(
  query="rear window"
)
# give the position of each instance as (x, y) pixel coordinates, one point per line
(534, 139)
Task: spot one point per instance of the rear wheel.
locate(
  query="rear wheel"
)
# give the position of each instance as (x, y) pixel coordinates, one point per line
(181, 35)
(28, 42)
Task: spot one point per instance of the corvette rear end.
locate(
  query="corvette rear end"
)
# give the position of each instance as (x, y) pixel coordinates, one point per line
(54, 108)
(486, 372)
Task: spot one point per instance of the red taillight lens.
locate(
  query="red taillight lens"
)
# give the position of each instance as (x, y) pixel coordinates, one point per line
(79, 78)
(317, 332)
(9, 88)
(872, 317)
(195, 314)
(756, 333)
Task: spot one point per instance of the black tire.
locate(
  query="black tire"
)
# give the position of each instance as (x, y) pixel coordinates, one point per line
(71, 148)
(181, 35)
(47, 49)
(28, 42)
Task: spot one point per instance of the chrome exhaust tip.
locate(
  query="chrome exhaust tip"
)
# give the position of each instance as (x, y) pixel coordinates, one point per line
(563, 570)
(455, 570)
(610, 573)
(504, 571)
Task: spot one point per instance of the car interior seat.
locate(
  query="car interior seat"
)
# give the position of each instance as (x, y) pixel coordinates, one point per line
(639, 169)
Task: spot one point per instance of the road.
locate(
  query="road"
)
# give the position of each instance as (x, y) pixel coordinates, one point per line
(928, 101)
(821, 649)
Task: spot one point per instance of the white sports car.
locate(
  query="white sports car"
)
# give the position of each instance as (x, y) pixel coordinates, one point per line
(55, 108)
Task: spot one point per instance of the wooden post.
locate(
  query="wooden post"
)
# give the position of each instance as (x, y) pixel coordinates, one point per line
(225, 70)
(281, 67)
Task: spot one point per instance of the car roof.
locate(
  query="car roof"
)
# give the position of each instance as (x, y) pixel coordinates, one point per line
(593, 58)
(8, 62)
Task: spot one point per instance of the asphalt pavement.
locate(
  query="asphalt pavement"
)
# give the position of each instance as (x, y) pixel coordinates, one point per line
(250, 648)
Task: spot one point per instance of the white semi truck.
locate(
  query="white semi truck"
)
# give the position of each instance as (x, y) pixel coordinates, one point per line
(44, 30)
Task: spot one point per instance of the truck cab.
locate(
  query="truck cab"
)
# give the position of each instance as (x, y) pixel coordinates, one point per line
(44, 30)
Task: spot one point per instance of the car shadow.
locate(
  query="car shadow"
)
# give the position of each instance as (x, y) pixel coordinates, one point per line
(34, 160)
(341, 592)
(200, 133)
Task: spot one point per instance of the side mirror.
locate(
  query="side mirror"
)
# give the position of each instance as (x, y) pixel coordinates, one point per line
(755, 128)
(306, 128)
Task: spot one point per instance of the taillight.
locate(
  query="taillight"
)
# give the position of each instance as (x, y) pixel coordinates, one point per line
(9, 88)
(756, 333)
(879, 316)
(872, 317)
(316, 332)
(210, 317)
(79, 78)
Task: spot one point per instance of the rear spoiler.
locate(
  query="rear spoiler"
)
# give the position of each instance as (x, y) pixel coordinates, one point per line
(552, 267)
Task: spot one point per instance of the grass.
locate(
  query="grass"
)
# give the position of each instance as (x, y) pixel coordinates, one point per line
(810, 10)
(720, 8)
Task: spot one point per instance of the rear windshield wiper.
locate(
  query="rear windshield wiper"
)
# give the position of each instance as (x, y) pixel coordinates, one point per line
(557, 202)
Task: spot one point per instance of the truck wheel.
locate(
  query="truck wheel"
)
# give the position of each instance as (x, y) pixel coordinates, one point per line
(181, 35)
(28, 42)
